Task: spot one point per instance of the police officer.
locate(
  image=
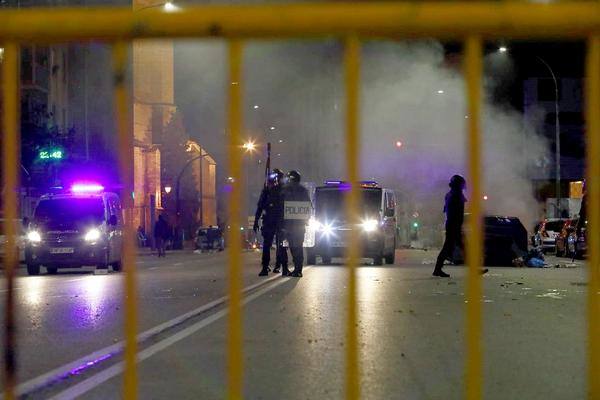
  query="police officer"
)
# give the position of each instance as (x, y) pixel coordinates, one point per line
(270, 209)
(454, 208)
(294, 222)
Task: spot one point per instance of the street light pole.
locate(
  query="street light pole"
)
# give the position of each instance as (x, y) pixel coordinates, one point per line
(557, 133)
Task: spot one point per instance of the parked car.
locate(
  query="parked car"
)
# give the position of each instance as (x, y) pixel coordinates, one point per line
(20, 239)
(563, 238)
(546, 234)
(209, 238)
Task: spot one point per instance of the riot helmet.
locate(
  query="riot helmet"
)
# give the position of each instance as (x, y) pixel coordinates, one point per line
(294, 176)
(457, 182)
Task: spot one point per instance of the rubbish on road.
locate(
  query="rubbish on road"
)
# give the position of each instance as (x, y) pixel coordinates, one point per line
(535, 262)
(551, 295)
(427, 262)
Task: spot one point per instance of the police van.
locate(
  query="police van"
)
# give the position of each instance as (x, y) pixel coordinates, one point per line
(377, 230)
(79, 227)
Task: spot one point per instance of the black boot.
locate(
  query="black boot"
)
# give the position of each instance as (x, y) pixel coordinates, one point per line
(285, 271)
(297, 273)
(440, 273)
(276, 269)
(264, 271)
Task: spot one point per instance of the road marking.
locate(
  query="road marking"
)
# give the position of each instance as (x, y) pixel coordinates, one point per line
(66, 370)
(177, 264)
(101, 377)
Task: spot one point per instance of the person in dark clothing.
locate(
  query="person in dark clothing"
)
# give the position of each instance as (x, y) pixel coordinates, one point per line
(454, 208)
(582, 211)
(297, 210)
(270, 209)
(161, 234)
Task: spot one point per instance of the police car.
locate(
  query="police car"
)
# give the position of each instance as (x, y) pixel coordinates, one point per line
(79, 227)
(377, 231)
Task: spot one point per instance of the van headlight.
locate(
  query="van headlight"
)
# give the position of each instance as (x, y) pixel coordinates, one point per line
(34, 236)
(369, 225)
(314, 224)
(92, 235)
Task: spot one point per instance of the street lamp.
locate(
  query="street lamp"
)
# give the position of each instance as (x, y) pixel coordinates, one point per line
(249, 146)
(503, 49)
(168, 189)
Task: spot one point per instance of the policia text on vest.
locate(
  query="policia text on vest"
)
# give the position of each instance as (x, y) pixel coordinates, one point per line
(297, 210)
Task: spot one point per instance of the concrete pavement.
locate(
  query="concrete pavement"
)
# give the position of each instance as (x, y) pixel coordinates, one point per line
(411, 337)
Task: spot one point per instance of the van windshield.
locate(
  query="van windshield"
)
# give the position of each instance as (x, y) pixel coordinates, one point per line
(329, 202)
(69, 212)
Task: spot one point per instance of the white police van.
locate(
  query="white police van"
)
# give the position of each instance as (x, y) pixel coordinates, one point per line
(377, 230)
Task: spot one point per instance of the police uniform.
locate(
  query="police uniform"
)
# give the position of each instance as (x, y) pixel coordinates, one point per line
(270, 208)
(294, 226)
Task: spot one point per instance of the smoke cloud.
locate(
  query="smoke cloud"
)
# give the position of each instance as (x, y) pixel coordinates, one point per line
(410, 94)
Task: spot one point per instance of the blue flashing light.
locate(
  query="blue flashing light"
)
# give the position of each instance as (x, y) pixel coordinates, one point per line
(336, 183)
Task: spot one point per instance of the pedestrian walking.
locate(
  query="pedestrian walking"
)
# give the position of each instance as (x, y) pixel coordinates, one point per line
(161, 234)
(454, 208)
(270, 210)
(297, 211)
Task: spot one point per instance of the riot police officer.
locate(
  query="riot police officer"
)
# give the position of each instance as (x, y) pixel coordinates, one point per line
(297, 210)
(270, 209)
(454, 208)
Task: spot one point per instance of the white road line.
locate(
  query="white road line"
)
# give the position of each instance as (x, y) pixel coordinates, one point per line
(177, 264)
(64, 370)
(101, 377)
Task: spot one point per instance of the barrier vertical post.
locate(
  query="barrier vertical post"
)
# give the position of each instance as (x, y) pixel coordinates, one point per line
(234, 328)
(593, 212)
(125, 140)
(473, 72)
(10, 181)
(352, 81)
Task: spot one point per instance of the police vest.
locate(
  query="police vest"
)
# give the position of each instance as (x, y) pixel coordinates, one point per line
(297, 210)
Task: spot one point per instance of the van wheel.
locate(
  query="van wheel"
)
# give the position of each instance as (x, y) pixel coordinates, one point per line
(378, 260)
(117, 266)
(105, 263)
(33, 269)
(390, 258)
(311, 259)
(52, 270)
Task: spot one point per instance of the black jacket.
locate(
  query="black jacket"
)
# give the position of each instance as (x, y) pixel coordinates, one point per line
(455, 210)
(161, 229)
(270, 207)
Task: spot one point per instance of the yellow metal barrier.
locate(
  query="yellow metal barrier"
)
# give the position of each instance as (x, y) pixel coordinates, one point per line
(120, 57)
(352, 69)
(234, 332)
(471, 22)
(10, 182)
(593, 188)
(473, 71)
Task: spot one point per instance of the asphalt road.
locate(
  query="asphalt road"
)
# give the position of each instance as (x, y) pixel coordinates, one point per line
(411, 329)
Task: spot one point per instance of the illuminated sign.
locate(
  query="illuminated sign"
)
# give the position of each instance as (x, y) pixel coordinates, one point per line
(51, 154)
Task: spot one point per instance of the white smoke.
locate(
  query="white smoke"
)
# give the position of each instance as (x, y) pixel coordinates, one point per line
(298, 87)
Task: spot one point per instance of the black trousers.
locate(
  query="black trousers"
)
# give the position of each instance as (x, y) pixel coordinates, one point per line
(453, 238)
(271, 234)
(295, 238)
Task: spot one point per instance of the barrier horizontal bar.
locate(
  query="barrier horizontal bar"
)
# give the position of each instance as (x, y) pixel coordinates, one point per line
(407, 20)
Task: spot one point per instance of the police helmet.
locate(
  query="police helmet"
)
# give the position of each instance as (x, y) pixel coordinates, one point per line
(457, 182)
(294, 176)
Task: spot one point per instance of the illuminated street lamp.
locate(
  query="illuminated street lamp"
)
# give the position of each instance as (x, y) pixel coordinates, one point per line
(168, 189)
(249, 146)
(502, 49)
(398, 144)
